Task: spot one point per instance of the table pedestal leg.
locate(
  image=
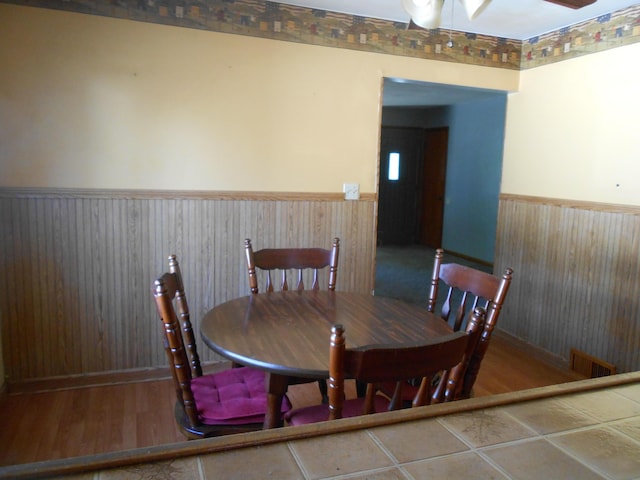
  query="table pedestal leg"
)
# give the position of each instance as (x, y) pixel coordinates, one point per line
(276, 388)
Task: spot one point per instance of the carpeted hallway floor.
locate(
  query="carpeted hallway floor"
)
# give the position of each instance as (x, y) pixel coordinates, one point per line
(404, 272)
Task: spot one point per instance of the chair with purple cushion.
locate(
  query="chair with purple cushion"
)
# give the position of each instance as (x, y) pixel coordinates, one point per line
(376, 364)
(229, 401)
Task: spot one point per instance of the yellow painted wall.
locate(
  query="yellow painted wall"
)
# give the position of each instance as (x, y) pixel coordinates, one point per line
(95, 102)
(572, 130)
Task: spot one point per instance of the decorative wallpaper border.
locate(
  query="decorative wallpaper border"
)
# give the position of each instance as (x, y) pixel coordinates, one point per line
(273, 20)
(602, 33)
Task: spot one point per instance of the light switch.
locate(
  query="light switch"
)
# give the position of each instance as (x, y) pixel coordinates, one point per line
(351, 191)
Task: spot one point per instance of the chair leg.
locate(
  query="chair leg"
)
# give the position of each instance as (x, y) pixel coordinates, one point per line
(322, 386)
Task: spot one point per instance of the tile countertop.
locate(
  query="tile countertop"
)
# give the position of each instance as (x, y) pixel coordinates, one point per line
(585, 429)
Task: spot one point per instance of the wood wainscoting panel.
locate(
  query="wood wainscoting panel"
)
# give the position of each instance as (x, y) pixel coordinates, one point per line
(77, 266)
(576, 281)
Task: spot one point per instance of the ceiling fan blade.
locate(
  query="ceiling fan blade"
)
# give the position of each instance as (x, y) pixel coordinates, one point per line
(572, 3)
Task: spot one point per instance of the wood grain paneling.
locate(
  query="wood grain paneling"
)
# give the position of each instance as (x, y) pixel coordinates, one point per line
(78, 265)
(576, 276)
(75, 292)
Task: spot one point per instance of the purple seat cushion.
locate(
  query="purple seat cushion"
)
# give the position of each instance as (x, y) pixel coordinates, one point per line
(320, 413)
(232, 397)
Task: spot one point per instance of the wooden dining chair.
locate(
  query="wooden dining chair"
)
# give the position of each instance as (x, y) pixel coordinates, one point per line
(455, 291)
(230, 401)
(298, 260)
(376, 364)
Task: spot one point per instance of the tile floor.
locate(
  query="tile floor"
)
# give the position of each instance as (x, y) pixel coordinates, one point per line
(578, 436)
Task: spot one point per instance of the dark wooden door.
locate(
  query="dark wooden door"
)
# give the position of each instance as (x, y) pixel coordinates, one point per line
(433, 186)
(398, 200)
(410, 209)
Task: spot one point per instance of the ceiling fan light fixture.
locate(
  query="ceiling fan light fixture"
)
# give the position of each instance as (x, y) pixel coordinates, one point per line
(424, 13)
(575, 4)
(474, 7)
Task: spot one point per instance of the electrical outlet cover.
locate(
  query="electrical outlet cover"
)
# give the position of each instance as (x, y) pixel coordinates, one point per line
(351, 191)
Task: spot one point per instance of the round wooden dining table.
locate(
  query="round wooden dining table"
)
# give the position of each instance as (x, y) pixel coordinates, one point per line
(286, 334)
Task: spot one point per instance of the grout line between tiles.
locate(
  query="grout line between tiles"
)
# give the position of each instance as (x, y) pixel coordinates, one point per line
(481, 453)
(445, 456)
(382, 447)
(613, 425)
(607, 426)
(406, 474)
(479, 450)
(200, 468)
(618, 392)
(460, 437)
(305, 474)
(358, 474)
(491, 462)
(548, 437)
(400, 465)
(579, 460)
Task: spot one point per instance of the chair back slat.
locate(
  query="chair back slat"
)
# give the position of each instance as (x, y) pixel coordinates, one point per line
(292, 259)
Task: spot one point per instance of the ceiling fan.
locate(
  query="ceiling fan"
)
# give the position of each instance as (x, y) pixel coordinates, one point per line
(427, 13)
(572, 3)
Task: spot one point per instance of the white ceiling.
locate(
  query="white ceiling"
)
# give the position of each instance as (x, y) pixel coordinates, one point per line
(516, 19)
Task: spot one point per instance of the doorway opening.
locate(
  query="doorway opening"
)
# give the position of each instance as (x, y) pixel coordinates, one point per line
(449, 143)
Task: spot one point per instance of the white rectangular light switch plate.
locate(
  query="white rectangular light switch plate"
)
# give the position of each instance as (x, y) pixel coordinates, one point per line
(351, 191)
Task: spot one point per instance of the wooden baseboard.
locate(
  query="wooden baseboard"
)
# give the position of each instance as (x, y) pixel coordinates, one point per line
(469, 258)
(99, 379)
(162, 373)
(538, 353)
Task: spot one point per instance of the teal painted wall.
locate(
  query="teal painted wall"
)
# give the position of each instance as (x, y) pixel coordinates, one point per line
(474, 170)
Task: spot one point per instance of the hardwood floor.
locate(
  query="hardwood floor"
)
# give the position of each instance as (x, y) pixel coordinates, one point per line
(84, 421)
